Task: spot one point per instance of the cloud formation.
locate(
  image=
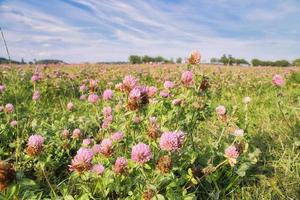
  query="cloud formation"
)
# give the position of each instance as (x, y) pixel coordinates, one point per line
(111, 30)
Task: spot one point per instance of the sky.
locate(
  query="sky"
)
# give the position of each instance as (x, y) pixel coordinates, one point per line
(109, 30)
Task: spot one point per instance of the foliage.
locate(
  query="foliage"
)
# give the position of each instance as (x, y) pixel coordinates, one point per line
(267, 166)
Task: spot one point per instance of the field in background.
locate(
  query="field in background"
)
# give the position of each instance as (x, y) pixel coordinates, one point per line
(271, 121)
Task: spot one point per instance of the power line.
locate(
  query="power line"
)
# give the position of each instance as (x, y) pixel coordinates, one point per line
(5, 45)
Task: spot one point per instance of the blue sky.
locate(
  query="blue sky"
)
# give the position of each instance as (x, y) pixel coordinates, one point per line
(110, 30)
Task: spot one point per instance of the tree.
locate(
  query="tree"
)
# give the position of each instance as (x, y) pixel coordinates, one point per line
(224, 60)
(147, 59)
(214, 60)
(135, 59)
(256, 62)
(296, 62)
(282, 63)
(158, 59)
(179, 60)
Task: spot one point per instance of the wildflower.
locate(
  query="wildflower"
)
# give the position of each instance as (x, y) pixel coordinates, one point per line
(13, 123)
(1, 108)
(36, 96)
(9, 108)
(65, 133)
(82, 88)
(7, 174)
(277, 80)
(194, 57)
(106, 147)
(96, 148)
(148, 194)
(87, 142)
(221, 110)
(164, 164)
(141, 153)
(98, 169)
(107, 111)
(2, 88)
(70, 106)
(82, 161)
(36, 77)
(93, 83)
(120, 165)
(82, 97)
(35, 145)
(187, 78)
(117, 136)
(164, 93)
(177, 102)
(129, 82)
(76, 133)
(169, 84)
(246, 100)
(151, 91)
(238, 132)
(171, 141)
(231, 153)
(108, 94)
(93, 98)
(135, 94)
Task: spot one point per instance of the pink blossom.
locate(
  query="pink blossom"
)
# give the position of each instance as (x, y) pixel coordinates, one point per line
(70, 106)
(82, 97)
(96, 148)
(221, 110)
(169, 84)
(98, 169)
(9, 108)
(187, 78)
(93, 98)
(82, 161)
(36, 77)
(117, 136)
(2, 88)
(129, 82)
(36, 96)
(151, 91)
(277, 80)
(35, 141)
(171, 141)
(13, 123)
(107, 111)
(141, 153)
(164, 93)
(106, 147)
(135, 94)
(82, 88)
(108, 94)
(1, 108)
(231, 152)
(87, 142)
(76, 133)
(120, 165)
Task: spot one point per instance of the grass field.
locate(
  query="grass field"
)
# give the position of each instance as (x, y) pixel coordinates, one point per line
(201, 138)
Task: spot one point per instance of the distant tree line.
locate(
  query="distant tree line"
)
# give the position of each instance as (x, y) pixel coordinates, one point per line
(136, 59)
(229, 60)
(277, 63)
(45, 61)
